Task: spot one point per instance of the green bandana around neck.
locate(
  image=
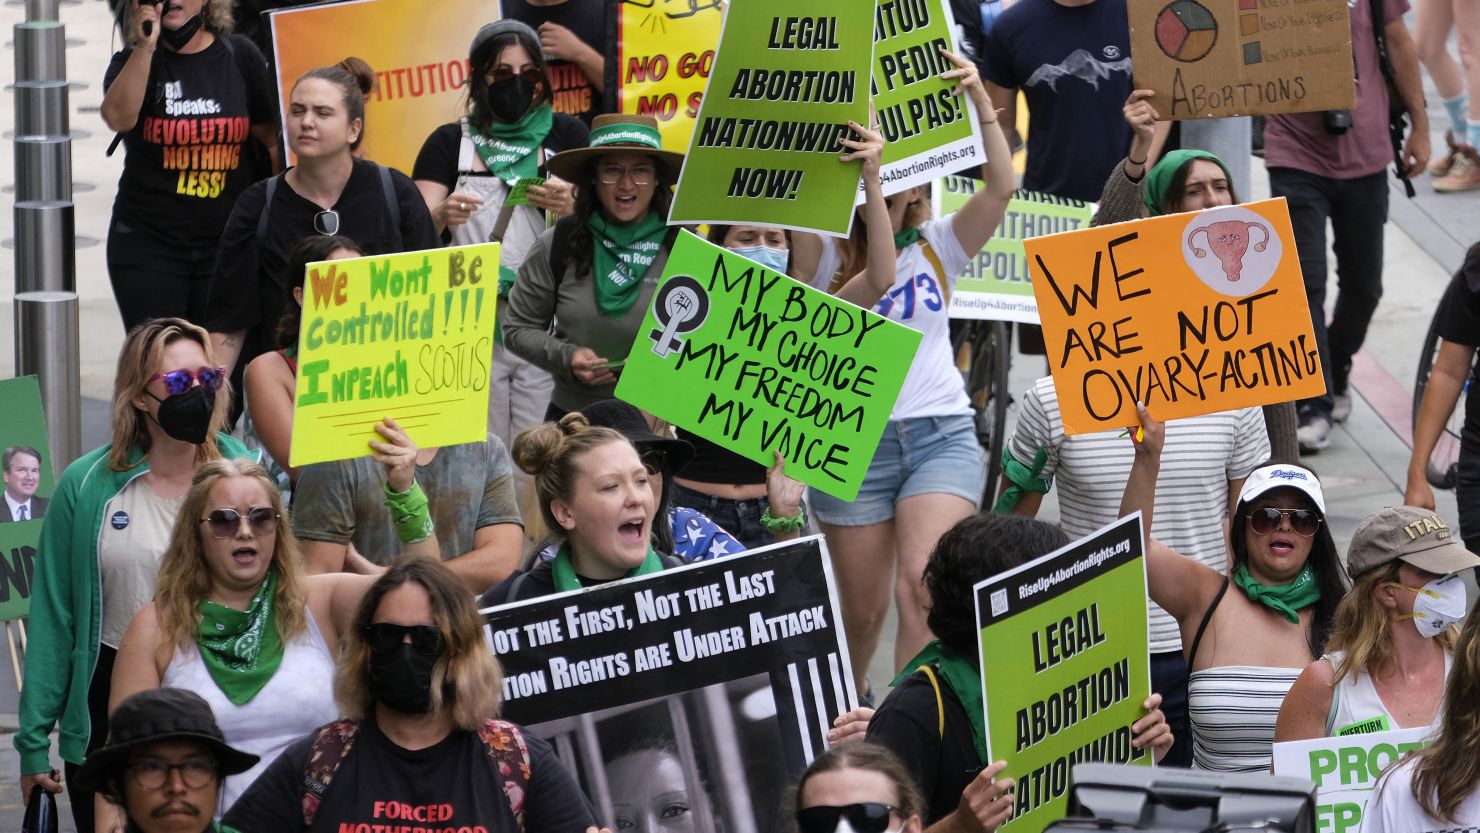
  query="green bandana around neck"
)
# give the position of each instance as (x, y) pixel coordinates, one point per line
(906, 237)
(564, 572)
(1160, 177)
(965, 680)
(1285, 599)
(621, 253)
(241, 648)
(509, 149)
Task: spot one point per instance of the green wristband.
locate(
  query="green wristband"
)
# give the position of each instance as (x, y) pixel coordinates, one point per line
(410, 513)
(776, 526)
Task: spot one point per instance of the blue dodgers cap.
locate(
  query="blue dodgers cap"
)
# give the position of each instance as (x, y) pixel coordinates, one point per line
(1283, 476)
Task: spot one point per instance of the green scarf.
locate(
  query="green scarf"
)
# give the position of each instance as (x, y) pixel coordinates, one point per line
(509, 149)
(1285, 599)
(621, 253)
(565, 577)
(1160, 177)
(1024, 479)
(906, 237)
(965, 681)
(241, 649)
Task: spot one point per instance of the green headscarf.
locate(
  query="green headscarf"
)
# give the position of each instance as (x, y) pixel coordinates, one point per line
(241, 648)
(1285, 599)
(1159, 180)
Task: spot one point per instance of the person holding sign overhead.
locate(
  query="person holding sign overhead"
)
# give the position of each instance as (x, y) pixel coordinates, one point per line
(1244, 649)
(595, 271)
(1392, 642)
(927, 473)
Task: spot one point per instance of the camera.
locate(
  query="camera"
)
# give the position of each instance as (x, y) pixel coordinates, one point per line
(1337, 121)
(1107, 796)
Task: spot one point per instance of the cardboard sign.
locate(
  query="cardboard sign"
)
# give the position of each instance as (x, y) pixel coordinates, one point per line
(757, 362)
(1346, 770)
(660, 59)
(786, 80)
(1190, 313)
(734, 667)
(420, 61)
(996, 285)
(28, 475)
(929, 129)
(1064, 666)
(407, 336)
(1217, 58)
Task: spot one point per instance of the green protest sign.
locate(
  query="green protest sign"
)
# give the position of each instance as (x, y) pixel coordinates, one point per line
(930, 130)
(786, 80)
(1065, 666)
(995, 285)
(758, 363)
(1345, 770)
(28, 486)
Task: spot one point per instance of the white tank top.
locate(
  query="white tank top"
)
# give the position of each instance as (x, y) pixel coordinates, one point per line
(298, 699)
(1231, 711)
(1355, 700)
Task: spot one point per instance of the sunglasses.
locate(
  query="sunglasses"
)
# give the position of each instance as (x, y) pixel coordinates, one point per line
(652, 460)
(1304, 521)
(385, 636)
(868, 817)
(179, 381)
(326, 222)
(530, 75)
(225, 523)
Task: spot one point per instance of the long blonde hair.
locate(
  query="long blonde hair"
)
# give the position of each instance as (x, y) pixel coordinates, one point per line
(1447, 772)
(140, 358)
(853, 249)
(466, 680)
(185, 581)
(1363, 629)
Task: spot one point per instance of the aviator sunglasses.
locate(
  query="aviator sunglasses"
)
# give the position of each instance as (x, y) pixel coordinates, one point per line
(868, 817)
(385, 636)
(1266, 520)
(177, 382)
(225, 523)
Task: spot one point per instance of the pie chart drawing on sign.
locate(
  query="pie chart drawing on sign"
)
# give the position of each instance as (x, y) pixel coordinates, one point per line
(1186, 31)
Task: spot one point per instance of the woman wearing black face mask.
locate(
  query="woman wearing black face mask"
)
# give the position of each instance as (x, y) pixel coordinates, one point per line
(194, 107)
(465, 172)
(105, 532)
(419, 688)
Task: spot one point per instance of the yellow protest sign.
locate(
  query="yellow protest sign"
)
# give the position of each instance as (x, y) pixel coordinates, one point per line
(663, 53)
(407, 336)
(1190, 313)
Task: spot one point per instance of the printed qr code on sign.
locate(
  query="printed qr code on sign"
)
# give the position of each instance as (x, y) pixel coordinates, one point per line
(999, 602)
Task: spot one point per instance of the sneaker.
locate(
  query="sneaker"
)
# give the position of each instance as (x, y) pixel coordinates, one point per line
(1342, 408)
(1313, 434)
(1441, 165)
(1464, 176)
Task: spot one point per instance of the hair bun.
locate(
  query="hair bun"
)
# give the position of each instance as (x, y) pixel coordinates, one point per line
(362, 71)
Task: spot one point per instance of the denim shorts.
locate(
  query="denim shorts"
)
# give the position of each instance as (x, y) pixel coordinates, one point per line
(918, 456)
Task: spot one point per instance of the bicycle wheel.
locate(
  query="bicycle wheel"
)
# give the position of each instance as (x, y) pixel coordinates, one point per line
(1443, 465)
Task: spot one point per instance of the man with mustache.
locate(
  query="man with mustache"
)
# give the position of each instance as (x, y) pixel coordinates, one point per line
(164, 763)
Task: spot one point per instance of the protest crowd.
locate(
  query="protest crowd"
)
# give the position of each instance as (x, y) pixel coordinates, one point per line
(243, 619)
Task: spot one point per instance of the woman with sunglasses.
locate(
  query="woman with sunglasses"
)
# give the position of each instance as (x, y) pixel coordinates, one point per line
(195, 110)
(236, 619)
(861, 785)
(1244, 648)
(328, 191)
(105, 531)
(1392, 643)
(418, 746)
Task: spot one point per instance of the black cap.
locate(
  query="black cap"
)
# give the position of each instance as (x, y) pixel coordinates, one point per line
(159, 714)
(618, 415)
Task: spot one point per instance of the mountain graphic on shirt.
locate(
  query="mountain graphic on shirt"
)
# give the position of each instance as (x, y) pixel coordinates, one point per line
(1079, 64)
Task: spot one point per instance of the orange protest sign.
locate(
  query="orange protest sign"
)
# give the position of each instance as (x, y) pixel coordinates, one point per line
(1190, 313)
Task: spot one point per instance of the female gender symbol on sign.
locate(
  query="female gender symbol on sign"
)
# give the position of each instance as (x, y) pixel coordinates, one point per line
(681, 306)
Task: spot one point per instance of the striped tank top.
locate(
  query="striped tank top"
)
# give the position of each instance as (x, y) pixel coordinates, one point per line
(1232, 711)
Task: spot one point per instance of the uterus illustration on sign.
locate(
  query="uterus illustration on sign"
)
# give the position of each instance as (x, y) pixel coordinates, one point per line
(1231, 249)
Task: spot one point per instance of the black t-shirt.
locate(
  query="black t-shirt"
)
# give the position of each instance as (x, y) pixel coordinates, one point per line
(437, 161)
(185, 165)
(942, 763)
(250, 287)
(575, 95)
(1458, 320)
(451, 785)
(714, 463)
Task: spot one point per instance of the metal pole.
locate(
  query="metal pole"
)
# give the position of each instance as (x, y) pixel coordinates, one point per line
(43, 260)
(40, 51)
(43, 168)
(41, 108)
(45, 325)
(43, 10)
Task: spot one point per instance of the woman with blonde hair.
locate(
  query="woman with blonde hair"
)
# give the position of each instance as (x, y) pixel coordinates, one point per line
(419, 689)
(236, 619)
(1436, 787)
(1393, 634)
(104, 534)
(863, 784)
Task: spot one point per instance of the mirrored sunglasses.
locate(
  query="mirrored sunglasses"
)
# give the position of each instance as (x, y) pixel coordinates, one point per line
(179, 381)
(1303, 521)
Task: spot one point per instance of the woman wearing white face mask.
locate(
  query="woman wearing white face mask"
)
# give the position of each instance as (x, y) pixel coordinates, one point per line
(1393, 636)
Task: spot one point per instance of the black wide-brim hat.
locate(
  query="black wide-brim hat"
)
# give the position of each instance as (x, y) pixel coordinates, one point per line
(153, 716)
(629, 422)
